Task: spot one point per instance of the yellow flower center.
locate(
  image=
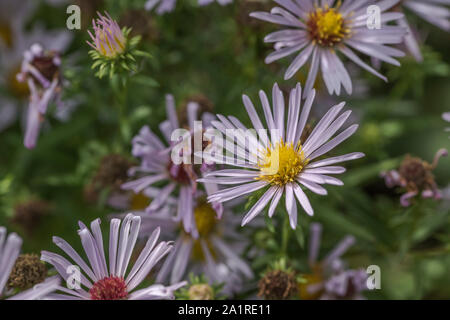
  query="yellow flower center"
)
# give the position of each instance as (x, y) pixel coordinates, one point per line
(313, 278)
(282, 164)
(139, 202)
(17, 88)
(327, 27)
(206, 221)
(205, 218)
(6, 34)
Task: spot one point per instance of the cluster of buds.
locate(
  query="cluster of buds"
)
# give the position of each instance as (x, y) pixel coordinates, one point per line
(415, 176)
(41, 72)
(113, 51)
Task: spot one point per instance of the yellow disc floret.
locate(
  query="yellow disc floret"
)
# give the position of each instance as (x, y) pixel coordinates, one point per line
(327, 27)
(282, 163)
(205, 218)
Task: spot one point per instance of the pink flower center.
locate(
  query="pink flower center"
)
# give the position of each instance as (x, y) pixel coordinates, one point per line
(109, 288)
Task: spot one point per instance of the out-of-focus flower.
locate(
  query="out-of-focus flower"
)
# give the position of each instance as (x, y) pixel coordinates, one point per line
(165, 6)
(214, 251)
(14, 41)
(112, 49)
(162, 6)
(41, 71)
(318, 33)
(435, 12)
(28, 214)
(199, 288)
(157, 166)
(446, 117)
(330, 279)
(284, 162)
(415, 176)
(13, 275)
(110, 281)
(221, 2)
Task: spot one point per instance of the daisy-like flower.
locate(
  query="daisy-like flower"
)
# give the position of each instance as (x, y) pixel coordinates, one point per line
(101, 280)
(214, 252)
(157, 166)
(41, 71)
(318, 32)
(446, 117)
(330, 279)
(436, 12)
(286, 162)
(415, 176)
(9, 253)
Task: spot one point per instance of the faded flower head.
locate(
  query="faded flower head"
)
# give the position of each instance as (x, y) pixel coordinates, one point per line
(414, 176)
(318, 32)
(22, 272)
(41, 72)
(278, 285)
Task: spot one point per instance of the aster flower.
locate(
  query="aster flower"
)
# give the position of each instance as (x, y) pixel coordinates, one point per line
(436, 12)
(318, 32)
(111, 281)
(214, 251)
(414, 176)
(157, 166)
(330, 279)
(41, 71)
(9, 253)
(14, 41)
(284, 162)
(112, 50)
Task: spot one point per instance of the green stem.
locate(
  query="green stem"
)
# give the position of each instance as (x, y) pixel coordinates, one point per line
(285, 235)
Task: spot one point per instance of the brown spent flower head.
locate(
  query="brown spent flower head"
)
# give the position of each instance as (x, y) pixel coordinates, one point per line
(28, 271)
(29, 214)
(201, 291)
(416, 173)
(112, 172)
(278, 285)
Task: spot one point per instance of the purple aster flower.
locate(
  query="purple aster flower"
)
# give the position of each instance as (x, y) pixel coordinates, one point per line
(41, 71)
(9, 252)
(157, 166)
(101, 280)
(286, 161)
(214, 251)
(414, 176)
(318, 32)
(435, 12)
(330, 279)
